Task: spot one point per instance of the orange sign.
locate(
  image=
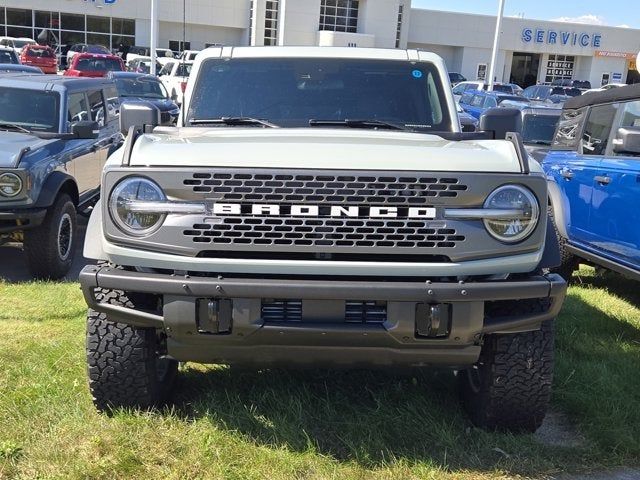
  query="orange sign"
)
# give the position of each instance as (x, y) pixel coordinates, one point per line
(625, 55)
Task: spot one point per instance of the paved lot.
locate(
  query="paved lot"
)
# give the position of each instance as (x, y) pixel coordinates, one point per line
(13, 267)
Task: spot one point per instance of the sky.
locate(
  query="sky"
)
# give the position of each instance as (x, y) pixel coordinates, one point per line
(596, 12)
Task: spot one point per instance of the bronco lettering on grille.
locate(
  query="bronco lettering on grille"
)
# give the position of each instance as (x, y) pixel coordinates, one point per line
(272, 210)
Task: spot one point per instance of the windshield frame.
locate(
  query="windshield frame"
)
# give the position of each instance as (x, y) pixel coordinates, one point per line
(58, 100)
(447, 121)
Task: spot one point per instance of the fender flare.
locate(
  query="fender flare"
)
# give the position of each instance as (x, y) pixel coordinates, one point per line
(560, 209)
(53, 185)
(94, 235)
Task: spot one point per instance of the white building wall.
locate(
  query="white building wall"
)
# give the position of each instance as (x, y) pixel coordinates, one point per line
(379, 18)
(302, 19)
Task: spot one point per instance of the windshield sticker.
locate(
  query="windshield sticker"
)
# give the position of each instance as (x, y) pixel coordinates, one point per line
(417, 74)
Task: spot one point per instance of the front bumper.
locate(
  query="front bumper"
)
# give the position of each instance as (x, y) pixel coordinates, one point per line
(17, 219)
(252, 340)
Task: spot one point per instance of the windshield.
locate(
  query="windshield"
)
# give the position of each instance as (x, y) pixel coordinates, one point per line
(98, 65)
(22, 43)
(184, 70)
(292, 91)
(513, 98)
(7, 56)
(40, 53)
(30, 109)
(140, 87)
(503, 88)
(539, 129)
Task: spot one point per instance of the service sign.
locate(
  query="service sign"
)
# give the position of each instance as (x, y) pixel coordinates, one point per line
(559, 37)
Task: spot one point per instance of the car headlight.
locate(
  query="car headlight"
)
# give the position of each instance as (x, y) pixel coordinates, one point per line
(10, 185)
(518, 226)
(125, 196)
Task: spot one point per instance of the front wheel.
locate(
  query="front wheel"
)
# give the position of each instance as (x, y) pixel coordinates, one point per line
(509, 388)
(50, 247)
(126, 365)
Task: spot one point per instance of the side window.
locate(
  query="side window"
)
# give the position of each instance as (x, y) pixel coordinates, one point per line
(466, 98)
(166, 70)
(597, 129)
(490, 102)
(568, 130)
(96, 104)
(477, 101)
(631, 114)
(77, 110)
(113, 102)
(471, 86)
(458, 89)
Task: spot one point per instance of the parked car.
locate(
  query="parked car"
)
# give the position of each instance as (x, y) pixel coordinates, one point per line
(142, 65)
(539, 121)
(581, 84)
(55, 137)
(468, 122)
(606, 87)
(466, 86)
(16, 43)
(174, 75)
(189, 55)
(93, 65)
(476, 102)
(40, 56)
(593, 170)
(85, 48)
(455, 78)
(11, 68)
(148, 88)
(549, 93)
(8, 56)
(137, 52)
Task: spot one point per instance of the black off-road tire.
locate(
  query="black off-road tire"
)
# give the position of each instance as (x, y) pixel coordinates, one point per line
(509, 388)
(568, 261)
(126, 368)
(50, 247)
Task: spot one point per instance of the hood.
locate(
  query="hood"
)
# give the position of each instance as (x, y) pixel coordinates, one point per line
(338, 149)
(12, 144)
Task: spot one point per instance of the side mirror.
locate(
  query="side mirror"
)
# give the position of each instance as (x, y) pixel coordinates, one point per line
(627, 141)
(85, 130)
(138, 114)
(500, 121)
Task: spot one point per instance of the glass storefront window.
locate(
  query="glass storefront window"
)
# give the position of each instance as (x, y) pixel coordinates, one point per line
(50, 20)
(98, 39)
(98, 24)
(122, 26)
(19, 17)
(71, 38)
(71, 21)
(19, 32)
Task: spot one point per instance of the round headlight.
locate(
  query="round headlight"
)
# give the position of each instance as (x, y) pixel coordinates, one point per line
(10, 185)
(512, 228)
(127, 193)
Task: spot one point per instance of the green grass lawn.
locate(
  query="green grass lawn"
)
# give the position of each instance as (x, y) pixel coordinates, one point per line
(237, 424)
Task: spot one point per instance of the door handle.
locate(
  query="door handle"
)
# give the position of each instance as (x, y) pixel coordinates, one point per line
(602, 179)
(567, 173)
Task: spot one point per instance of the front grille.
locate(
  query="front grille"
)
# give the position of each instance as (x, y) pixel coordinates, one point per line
(323, 232)
(355, 311)
(338, 189)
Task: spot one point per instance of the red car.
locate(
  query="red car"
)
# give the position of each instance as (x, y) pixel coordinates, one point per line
(94, 65)
(40, 56)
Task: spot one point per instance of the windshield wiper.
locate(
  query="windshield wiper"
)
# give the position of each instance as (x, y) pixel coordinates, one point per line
(538, 142)
(232, 121)
(13, 126)
(355, 123)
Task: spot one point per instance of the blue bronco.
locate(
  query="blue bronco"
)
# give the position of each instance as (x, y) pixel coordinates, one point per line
(55, 136)
(593, 170)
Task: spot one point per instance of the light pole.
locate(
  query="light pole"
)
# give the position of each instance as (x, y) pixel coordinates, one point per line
(496, 43)
(154, 34)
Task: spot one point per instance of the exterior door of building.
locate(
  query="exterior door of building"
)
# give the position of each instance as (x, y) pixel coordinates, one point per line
(524, 68)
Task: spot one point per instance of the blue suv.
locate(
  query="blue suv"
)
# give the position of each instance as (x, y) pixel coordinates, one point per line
(55, 136)
(477, 102)
(593, 170)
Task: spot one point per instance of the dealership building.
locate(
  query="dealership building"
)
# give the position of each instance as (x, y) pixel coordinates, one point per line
(530, 50)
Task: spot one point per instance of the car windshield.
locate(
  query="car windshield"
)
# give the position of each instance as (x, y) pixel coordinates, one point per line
(96, 49)
(22, 43)
(7, 57)
(29, 109)
(514, 98)
(293, 91)
(184, 70)
(40, 53)
(539, 129)
(569, 91)
(140, 87)
(503, 88)
(98, 65)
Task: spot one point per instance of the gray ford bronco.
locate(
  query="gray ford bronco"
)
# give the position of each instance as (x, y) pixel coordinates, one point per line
(321, 207)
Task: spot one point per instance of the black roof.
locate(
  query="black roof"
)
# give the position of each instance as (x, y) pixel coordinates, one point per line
(630, 92)
(52, 82)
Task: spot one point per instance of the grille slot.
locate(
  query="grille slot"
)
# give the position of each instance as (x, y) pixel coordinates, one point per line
(274, 311)
(365, 312)
(324, 232)
(282, 310)
(343, 189)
